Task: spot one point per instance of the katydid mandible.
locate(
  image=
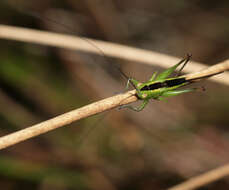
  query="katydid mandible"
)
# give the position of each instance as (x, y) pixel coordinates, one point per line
(160, 86)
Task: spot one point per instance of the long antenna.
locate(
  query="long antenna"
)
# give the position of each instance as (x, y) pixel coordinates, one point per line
(44, 18)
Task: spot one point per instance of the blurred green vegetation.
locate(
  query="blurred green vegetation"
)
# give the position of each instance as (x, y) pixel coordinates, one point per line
(157, 148)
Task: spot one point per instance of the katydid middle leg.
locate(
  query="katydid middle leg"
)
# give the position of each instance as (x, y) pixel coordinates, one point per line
(137, 109)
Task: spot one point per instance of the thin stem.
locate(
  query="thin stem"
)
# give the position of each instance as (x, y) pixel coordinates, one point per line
(210, 71)
(67, 118)
(109, 49)
(203, 179)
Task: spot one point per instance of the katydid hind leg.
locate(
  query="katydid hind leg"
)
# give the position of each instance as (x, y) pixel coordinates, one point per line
(185, 62)
(177, 92)
(153, 76)
(170, 70)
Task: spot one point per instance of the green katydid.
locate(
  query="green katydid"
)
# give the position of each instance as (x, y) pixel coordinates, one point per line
(160, 86)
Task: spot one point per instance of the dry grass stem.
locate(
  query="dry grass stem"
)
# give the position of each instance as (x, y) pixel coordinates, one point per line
(218, 68)
(203, 179)
(67, 118)
(109, 49)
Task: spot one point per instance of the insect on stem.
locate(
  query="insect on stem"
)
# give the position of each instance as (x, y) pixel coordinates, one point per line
(162, 86)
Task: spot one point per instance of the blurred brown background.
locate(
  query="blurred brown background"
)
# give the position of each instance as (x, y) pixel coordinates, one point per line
(165, 144)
